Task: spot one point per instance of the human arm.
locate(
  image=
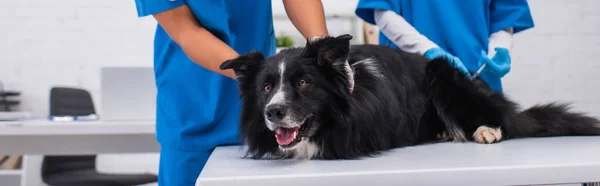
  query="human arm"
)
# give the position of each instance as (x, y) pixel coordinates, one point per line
(497, 60)
(201, 46)
(407, 38)
(307, 16)
(500, 39)
(402, 33)
(507, 17)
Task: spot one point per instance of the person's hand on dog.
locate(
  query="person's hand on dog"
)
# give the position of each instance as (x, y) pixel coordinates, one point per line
(498, 66)
(453, 60)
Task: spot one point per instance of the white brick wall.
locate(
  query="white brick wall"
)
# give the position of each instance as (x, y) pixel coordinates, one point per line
(45, 43)
(64, 43)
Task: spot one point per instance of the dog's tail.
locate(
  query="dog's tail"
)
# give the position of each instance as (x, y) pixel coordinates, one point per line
(550, 120)
(472, 101)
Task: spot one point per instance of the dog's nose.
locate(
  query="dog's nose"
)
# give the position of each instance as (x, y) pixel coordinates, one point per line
(276, 113)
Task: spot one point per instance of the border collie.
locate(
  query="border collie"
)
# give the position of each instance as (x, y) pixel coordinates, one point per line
(331, 100)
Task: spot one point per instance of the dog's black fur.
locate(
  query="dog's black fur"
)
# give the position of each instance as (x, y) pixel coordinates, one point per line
(397, 99)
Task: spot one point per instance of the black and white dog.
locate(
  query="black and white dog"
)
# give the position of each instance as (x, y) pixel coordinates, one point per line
(331, 100)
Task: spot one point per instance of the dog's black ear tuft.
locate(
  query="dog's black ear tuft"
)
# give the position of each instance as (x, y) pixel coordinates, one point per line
(242, 63)
(345, 37)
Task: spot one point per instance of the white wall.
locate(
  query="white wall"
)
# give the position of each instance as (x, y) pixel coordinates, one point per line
(65, 43)
(557, 60)
(45, 43)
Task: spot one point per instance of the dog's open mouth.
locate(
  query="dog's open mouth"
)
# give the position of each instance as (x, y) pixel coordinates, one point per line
(285, 136)
(289, 137)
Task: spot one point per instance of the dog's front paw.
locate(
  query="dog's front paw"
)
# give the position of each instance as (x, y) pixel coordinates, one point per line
(485, 134)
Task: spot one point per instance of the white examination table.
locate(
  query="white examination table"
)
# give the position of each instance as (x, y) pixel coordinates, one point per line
(555, 160)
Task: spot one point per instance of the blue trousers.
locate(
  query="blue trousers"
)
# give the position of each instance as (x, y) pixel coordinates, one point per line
(180, 168)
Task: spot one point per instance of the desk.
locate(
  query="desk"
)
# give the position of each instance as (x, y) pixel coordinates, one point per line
(511, 162)
(80, 137)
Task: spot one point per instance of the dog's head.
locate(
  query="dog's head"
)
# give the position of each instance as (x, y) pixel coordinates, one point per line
(286, 96)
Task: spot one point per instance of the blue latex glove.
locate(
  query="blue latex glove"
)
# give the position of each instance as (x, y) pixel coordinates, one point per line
(498, 66)
(453, 60)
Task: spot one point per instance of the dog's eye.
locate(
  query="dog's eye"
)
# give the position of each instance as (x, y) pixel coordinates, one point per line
(302, 82)
(267, 88)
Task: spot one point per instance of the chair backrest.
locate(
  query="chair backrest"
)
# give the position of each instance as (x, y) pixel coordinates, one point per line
(69, 102)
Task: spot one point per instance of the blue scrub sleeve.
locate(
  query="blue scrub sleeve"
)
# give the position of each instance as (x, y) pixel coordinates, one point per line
(150, 7)
(366, 8)
(510, 13)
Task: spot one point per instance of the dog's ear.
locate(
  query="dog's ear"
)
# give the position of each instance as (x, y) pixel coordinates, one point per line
(331, 54)
(337, 49)
(243, 64)
(329, 50)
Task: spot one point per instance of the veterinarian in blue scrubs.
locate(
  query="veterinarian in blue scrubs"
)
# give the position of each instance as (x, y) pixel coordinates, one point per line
(470, 33)
(198, 104)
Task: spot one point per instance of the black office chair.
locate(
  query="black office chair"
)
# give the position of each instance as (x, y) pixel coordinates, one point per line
(80, 170)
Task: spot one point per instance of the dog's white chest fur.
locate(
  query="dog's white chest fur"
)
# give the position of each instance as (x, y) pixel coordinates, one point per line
(305, 150)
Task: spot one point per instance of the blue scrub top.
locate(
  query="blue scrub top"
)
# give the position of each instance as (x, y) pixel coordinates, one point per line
(461, 27)
(198, 109)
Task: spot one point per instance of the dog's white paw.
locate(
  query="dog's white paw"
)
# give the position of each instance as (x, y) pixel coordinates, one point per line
(485, 134)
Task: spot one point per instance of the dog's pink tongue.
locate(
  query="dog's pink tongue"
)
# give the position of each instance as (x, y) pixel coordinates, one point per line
(285, 136)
